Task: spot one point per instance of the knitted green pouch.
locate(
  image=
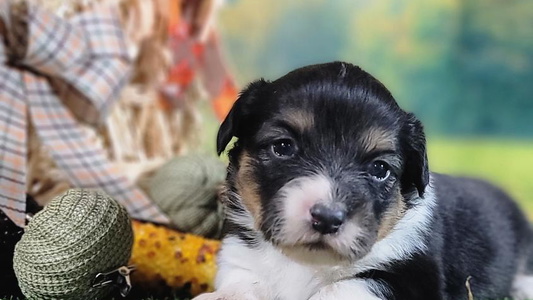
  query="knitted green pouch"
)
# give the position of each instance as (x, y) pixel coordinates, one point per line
(78, 235)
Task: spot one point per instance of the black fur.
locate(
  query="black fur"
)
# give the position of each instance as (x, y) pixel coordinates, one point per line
(477, 232)
(476, 229)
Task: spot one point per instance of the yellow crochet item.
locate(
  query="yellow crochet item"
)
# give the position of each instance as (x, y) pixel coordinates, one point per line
(178, 259)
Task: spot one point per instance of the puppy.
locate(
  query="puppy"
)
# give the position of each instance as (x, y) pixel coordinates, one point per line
(329, 197)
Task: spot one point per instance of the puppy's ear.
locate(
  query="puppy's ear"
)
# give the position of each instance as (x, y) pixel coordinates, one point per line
(236, 118)
(413, 143)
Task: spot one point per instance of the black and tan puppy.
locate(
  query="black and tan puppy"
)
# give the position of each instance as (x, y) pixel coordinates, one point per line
(329, 197)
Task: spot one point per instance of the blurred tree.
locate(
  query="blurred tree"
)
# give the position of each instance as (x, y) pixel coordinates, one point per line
(268, 38)
(494, 59)
(245, 27)
(408, 45)
(310, 32)
(464, 66)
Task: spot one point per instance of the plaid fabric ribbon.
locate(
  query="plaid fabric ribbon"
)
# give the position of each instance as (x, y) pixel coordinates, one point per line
(55, 72)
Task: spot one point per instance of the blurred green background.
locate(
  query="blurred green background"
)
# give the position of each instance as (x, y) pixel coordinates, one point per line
(465, 67)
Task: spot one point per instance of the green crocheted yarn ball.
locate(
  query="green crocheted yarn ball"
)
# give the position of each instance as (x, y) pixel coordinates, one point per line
(79, 234)
(185, 188)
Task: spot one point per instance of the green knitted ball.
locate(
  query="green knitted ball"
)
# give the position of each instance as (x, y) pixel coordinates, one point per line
(186, 189)
(79, 234)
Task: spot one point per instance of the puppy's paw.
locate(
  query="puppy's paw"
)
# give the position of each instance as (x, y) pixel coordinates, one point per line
(220, 295)
(210, 296)
(345, 290)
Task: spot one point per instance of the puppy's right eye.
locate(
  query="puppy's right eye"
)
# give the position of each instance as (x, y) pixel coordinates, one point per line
(283, 148)
(379, 170)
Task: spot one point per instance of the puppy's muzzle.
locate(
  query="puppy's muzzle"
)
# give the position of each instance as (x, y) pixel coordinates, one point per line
(326, 220)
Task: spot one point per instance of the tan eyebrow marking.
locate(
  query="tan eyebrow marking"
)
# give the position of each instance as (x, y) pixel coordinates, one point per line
(376, 138)
(300, 120)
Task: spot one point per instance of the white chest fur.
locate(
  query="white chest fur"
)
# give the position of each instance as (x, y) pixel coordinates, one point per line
(273, 275)
(264, 273)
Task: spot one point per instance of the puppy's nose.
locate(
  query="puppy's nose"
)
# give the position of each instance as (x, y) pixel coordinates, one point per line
(326, 220)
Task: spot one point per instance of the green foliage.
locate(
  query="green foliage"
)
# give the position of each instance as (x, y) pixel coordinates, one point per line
(494, 63)
(464, 66)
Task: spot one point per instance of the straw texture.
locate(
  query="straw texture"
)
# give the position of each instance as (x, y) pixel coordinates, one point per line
(79, 234)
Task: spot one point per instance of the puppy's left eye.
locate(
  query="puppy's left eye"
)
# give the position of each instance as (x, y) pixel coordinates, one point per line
(283, 148)
(379, 170)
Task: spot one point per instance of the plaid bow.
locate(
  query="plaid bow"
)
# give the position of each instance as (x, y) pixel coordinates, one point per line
(53, 73)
